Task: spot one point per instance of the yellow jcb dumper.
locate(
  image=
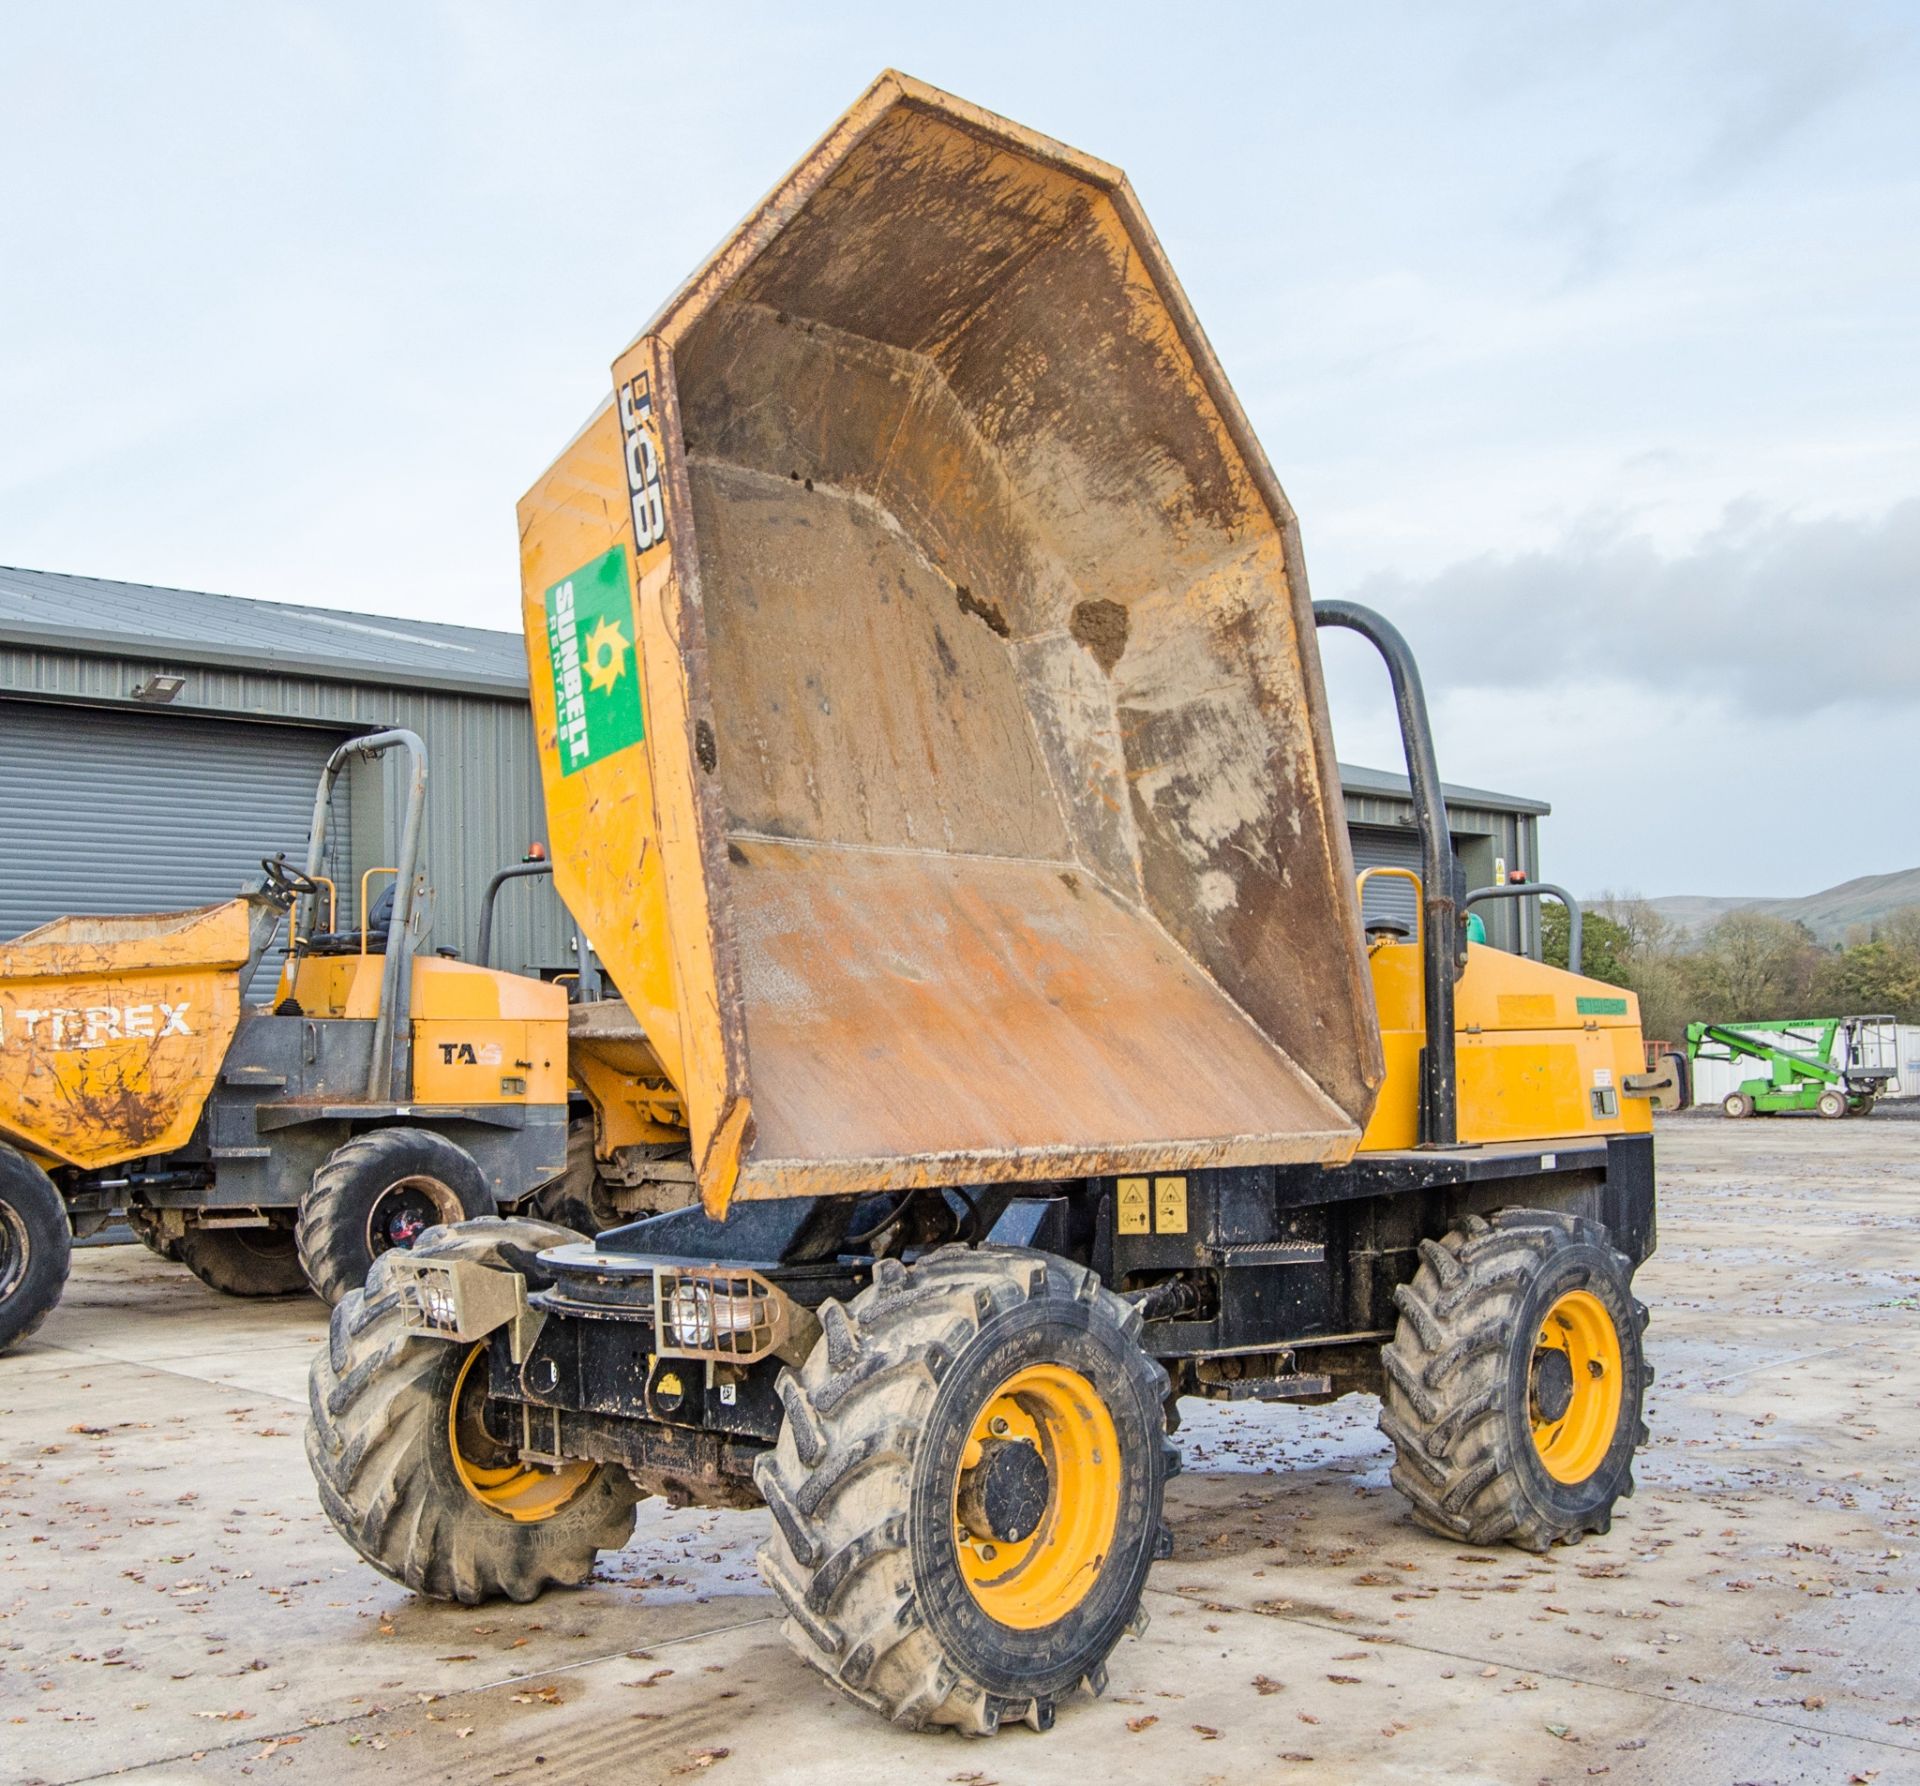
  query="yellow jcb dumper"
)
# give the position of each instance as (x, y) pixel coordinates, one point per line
(380, 1093)
(934, 742)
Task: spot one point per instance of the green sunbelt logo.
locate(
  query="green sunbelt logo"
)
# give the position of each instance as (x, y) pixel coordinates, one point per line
(596, 678)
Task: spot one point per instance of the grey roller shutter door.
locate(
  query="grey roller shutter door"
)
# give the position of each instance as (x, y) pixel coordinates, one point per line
(1387, 895)
(106, 811)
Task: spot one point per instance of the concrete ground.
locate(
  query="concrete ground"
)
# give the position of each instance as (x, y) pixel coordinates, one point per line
(174, 1607)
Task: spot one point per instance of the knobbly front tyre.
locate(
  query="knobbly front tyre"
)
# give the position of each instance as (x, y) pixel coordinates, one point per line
(1515, 1380)
(420, 1475)
(36, 1246)
(966, 1492)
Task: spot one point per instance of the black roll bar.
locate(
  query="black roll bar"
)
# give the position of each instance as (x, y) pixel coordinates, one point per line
(1442, 938)
(1521, 890)
(589, 982)
(390, 1072)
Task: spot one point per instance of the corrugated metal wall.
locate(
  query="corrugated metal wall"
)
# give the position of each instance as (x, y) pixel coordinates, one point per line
(484, 805)
(483, 800)
(106, 811)
(1387, 895)
(1481, 837)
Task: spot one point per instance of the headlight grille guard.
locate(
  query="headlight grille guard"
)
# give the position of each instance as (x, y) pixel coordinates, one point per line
(464, 1301)
(723, 1313)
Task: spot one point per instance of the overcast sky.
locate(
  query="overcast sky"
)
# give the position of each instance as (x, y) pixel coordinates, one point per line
(1585, 339)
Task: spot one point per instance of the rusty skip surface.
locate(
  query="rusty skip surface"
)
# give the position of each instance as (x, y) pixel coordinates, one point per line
(993, 804)
(112, 1030)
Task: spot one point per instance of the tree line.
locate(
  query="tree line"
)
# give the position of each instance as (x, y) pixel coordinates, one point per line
(1747, 968)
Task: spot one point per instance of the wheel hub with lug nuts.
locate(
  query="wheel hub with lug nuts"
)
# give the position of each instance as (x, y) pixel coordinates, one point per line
(1552, 1385)
(1003, 1497)
(1576, 1385)
(1037, 1496)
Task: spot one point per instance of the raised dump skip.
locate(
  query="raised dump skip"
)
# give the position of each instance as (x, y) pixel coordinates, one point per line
(986, 822)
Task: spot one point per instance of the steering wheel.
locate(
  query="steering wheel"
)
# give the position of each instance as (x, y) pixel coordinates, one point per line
(284, 884)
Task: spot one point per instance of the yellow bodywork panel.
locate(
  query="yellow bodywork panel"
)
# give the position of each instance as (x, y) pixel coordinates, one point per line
(112, 1030)
(927, 695)
(479, 1036)
(576, 515)
(484, 1037)
(333, 985)
(1540, 1053)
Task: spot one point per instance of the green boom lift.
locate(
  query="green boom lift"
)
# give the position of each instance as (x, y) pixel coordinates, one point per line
(1804, 1068)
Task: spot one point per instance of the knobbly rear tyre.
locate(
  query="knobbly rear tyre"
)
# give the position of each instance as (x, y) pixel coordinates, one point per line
(1465, 1381)
(341, 1231)
(249, 1262)
(579, 1198)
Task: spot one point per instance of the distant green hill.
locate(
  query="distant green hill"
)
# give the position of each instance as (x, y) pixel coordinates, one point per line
(1829, 915)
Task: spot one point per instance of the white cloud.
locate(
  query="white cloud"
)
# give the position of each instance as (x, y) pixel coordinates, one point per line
(299, 300)
(1776, 617)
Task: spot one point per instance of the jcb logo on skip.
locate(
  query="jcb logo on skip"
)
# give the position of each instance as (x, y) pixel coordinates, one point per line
(92, 1026)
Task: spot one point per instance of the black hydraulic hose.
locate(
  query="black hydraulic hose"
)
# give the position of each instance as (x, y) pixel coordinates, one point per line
(976, 1229)
(885, 1222)
(1443, 954)
(1168, 1300)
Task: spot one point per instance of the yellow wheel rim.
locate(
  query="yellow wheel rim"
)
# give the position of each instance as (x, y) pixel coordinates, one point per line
(490, 1471)
(1577, 1341)
(1030, 1580)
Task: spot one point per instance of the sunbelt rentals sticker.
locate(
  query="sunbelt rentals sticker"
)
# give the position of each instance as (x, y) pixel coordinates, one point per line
(596, 672)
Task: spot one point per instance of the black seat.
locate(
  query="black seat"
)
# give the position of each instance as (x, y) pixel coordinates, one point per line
(347, 942)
